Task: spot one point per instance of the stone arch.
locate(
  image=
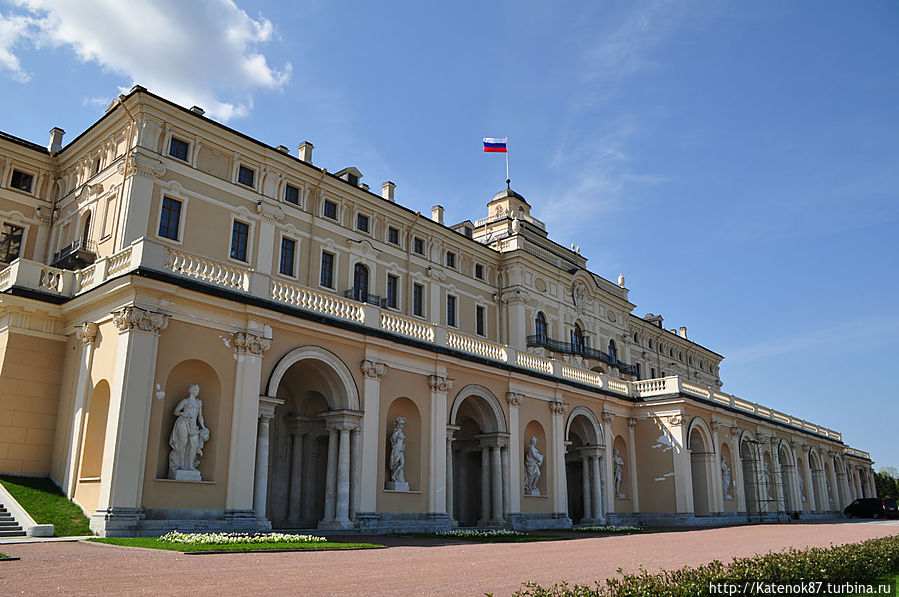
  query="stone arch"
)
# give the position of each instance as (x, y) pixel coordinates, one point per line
(816, 468)
(594, 429)
(788, 475)
(488, 408)
(702, 455)
(87, 476)
(748, 451)
(340, 380)
(584, 465)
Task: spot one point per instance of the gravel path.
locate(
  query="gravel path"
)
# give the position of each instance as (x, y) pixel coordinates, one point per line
(415, 568)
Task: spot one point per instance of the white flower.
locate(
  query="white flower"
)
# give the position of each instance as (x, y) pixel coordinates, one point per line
(237, 538)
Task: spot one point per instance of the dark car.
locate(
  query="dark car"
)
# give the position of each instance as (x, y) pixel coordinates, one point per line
(872, 508)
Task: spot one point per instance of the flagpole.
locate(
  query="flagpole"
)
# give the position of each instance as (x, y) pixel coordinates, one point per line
(508, 180)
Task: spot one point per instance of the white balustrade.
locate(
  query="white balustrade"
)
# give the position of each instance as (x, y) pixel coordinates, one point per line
(207, 270)
(532, 361)
(583, 376)
(312, 300)
(406, 327)
(618, 385)
(474, 345)
(6, 278)
(119, 262)
(695, 390)
(50, 279)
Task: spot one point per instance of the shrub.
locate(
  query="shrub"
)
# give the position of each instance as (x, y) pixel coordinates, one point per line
(856, 562)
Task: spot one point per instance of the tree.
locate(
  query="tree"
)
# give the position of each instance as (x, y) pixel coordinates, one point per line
(887, 482)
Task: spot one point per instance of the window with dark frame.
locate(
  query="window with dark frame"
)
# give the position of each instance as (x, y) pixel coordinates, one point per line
(361, 222)
(450, 259)
(240, 236)
(540, 327)
(418, 246)
(478, 271)
(21, 181)
(178, 148)
(327, 277)
(451, 311)
(288, 252)
(170, 218)
(245, 176)
(392, 283)
(418, 299)
(479, 321)
(291, 194)
(330, 210)
(10, 242)
(393, 236)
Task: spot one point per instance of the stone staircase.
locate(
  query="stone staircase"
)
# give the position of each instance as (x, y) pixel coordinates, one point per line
(8, 525)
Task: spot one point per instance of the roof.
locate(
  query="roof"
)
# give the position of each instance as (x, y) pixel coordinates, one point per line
(24, 143)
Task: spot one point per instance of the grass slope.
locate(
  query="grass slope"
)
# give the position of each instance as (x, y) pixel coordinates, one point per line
(47, 505)
(155, 543)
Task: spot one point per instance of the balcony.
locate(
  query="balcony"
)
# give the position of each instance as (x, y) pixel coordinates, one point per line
(361, 296)
(587, 352)
(77, 255)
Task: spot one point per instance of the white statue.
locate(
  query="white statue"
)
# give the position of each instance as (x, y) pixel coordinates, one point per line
(829, 495)
(188, 437)
(725, 478)
(398, 457)
(533, 460)
(619, 473)
(801, 489)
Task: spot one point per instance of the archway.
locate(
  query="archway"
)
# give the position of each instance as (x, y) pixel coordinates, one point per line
(314, 443)
(749, 460)
(87, 486)
(480, 459)
(583, 463)
(701, 454)
(814, 465)
(787, 468)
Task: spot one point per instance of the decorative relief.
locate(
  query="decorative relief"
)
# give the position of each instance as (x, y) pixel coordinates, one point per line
(557, 407)
(436, 274)
(146, 166)
(540, 284)
(514, 399)
(272, 213)
(677, 420)
(714, 425)
(88, 332)
(607, 416)
(135, 318)
(247, 343)
(374, 370)
(440, 383)
(631, 422)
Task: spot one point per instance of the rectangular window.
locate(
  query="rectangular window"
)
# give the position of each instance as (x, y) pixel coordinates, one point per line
(292, 194)
(327, 279)
(21, 181)
(330, 210)
(178, 149)
(392, 282)
(479, 321)
(169, 218)
(417, 299)
(361, 223)
(240, 236)
(245, 176)
(652, 372)
(10, 242)
(451, 311)
(288, 250)
(478, 271)
(393, 236)
(418, 246)
(450, 259)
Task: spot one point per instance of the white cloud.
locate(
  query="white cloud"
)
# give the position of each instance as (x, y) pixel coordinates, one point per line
(202, 52)
(12, 29)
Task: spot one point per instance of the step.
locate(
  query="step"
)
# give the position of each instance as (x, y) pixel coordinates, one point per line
(19, 533)
(5, 524)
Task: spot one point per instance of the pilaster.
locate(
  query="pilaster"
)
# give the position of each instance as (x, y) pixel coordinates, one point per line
(560, 489)
(609, 468)
(632, 459)
(515, 451)
(371, 404)
(87, 334)
(439, 385)
(683, 480)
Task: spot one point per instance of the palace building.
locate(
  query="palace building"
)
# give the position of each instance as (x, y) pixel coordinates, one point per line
(202, 331)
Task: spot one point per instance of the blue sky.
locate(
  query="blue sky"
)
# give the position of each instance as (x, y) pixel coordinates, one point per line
(738, 162)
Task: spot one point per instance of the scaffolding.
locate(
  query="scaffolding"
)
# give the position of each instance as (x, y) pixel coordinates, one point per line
(763, 483)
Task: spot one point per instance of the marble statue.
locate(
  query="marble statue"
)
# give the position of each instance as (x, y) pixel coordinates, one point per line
(801, 489)
(188, 437)
(725, 478)
(398, 457)
(829, 494)
(619, 473)
(533, 460)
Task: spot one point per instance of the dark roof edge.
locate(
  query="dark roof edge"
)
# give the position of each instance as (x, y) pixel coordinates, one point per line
(24, 143)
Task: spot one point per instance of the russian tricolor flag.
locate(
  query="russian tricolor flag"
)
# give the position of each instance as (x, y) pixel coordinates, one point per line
(495, 145)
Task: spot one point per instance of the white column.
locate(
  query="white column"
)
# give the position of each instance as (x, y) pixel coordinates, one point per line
(331, 476)
(295, 505)
(80, 403)
(504, 453)
(496, 484)
(439, 386)
(587, 487)
(717, 482)
(632, 458)
(485, 485)
(371, 404)
(260, 484)
(737, 469)
(609, 468)
(343, 477)
(125, 447)
(515, 451)
(809, 484)
(450, 430)
(557, 437)
(596, 482)
(355, 458)
(248, 351)
(683, 480)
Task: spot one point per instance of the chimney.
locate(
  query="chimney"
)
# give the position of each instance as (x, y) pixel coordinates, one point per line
(682, 332)
(197, 110)
(437, 214)
(305, 153)
(283, 149)
(56, 134)
(387, 190)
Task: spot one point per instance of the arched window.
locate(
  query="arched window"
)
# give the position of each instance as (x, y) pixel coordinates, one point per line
(540, 327)
(577, 339)
(360, 283)
(85, 234)
(613, 351)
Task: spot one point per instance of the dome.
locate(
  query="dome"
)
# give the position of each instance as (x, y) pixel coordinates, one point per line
(508, 193)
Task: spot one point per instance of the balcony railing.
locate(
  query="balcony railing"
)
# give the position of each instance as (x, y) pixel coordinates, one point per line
(78, 254)
(538, 341)
(357, 294)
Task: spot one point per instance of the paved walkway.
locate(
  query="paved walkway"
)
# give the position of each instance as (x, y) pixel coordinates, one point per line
(416, 568)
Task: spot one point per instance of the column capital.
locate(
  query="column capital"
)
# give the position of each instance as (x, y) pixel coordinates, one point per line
(373, 369)
(557, 407)
(88, 332)
(514, 398)
(440, 383)
(607, 416)
(677, 420)
(631, 422)
(714, 425)
(249, 343)
(133, 318)
(267, 406)
(735, 431)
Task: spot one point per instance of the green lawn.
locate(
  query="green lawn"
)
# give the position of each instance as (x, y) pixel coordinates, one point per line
(155, 543)
(47, 505)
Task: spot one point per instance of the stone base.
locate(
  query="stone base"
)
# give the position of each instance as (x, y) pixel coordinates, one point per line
(397, 486)
(185, 476)
(535, 522)
(116, 522)
(336, 525)
(136, 522)
(381, 523)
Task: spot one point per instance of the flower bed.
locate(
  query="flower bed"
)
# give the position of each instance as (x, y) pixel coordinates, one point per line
(611, 530)
(479, 534)
(238, 538)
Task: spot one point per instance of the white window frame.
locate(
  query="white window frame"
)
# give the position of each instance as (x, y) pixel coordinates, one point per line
(33, 176)
(181, 221)
(251, 236)
(335, 268)
(296, 256)
(371, 222)
(424, 300)
(486, 320)
(5, 219)
(456, 310)
(399, 290)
